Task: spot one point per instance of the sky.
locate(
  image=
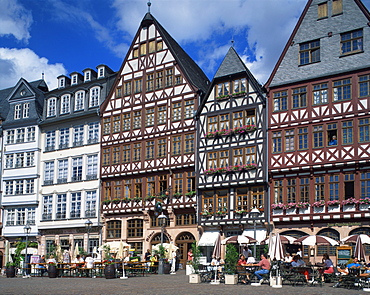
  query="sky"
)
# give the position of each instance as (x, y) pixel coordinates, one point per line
(58, 37)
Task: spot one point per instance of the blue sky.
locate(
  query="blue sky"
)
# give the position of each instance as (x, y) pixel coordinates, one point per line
(62, 36)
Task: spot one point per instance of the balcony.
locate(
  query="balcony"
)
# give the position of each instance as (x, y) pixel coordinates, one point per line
(48, 182)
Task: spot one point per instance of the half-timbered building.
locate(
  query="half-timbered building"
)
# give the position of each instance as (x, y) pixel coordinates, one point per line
(232, 177)
(319, 159)
(148, 142)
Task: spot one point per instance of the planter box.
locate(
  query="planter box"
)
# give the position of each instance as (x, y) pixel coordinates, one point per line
(351, 207)
(335, 208)
(194, 278)
(189, 269)
(277, 211)
(291, 211)
(363, 207)
(319, 209)
(231, 279)
(304, 210)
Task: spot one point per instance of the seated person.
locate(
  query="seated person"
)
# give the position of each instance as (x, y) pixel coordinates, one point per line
(242, 260)
(354, 264)
(217, 261)
(333, 140)
(297, 261)
(288, 258)
(251, 260)
(265, 268)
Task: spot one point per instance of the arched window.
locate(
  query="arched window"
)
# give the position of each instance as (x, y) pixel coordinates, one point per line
(330, 233)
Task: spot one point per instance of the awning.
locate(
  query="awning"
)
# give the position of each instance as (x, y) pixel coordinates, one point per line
(208, 238)
(260, 234)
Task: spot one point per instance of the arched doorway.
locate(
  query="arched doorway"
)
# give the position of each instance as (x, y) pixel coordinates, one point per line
(331, 250)
(184, 241)
(291, 248)
(157, 239)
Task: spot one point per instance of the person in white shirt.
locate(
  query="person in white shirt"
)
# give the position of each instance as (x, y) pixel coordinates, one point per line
(251, 260)
(173, 262)
(288, 258)
(89, 264)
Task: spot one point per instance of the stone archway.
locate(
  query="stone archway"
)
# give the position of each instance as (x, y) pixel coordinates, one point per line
(157, 239)
(184, 241)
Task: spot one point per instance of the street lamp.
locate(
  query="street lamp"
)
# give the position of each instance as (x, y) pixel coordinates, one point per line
(254, 214)
(162, 219)
(88, 225)
(27, 230)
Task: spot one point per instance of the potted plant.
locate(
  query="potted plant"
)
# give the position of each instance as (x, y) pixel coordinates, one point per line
(231, 260)
(194, 278)
(109, 264)
(52, 270)
(11, 268)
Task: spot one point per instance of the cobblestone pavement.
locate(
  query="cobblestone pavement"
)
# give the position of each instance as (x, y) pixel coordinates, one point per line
(151, 284)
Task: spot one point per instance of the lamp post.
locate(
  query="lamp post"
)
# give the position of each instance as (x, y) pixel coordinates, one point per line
(254, 214)
(88, 225)
(162, 223)
(27, 230)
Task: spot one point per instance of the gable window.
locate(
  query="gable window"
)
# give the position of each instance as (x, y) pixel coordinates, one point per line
(142, 49)
(223, 89)
(320, 93)
(240, 86)
(26, 110)
(138, 85)
(337, 7)
(119, 92)
(51, 107)
(322, 10)
(127, 88)
(351, 42)
(342, 90)
(280, 101)
(159, 45)
(65, 107)
(94, 97)
(152, 46)
(178, 80)
(309, 52)
(79, 101)
(299, 97)
(137, 120)
(135, 52)
(17, 111)
(169, 77)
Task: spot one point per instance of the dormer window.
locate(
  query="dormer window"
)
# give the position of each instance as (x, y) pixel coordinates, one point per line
(101, 73)
(51, 107)
(61, 82)
(79, 100)
(74, 79)
(87, 76)
(26, 110)
(17, 111)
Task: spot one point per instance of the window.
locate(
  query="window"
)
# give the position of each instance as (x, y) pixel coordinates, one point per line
(21, 216)
(189, 109)
(334, 187)
(237, 119)
(190, 181)
(149, 117)
(90, 206)
(212, 160)
(224, 158)
(150, 186)
(337, 7)
(31, 216)
(224, 121)
(30, 134)
(178, 80)
(342, 90)
(74, 79)
(26, 110)
(276, 142)
(62, 171)
(135, 228)
(152, 46)
(137, 152)
(10, 136)
(189, 143)
(250, 117)
(221, 201)
(8, 187)
(176, 145)
(116, 155)
(47, 209)
(178, 183)
(240, 86)
(159, 80)
(138, 188)
(126, 122)
(289, 140)
(127, 189)
(138, 85)
(149, 152)
(49, 173)
(61, 208)
(106, 125)
(78, 135)
(116, 124)
(364, 85)
(75, 205)
(106, 157)
(304, 190)
(135, 52)
(119, 92)
(162, 148)
(126, 153)
(137, 120)
(92, 167)
(291, 191)
(20, 135)
(87, 76)
(19, 160)
(299, 97)
(77, 169)
(278, 191)
(30, 159)
(51, 107)
(142, 49)
(176, 111)
(150, 82)
(65, 106)
(349, 186)
(79, 100)
(318, 140)
(127, 88)
(208, 202)
(159, 45)
(169, 77)
(351, 42)
(223, 89)
(347, 132)
(30, 186)
(64, 138)
(364, 130)
(9, 161)
(332, 134)
(17, 111)
(303, 138)
(365, 185)
(107, 190)
(162, 115)
(94, 97)
(185, 219)
(309, 52)
(212, 124)
(280, 101)
(250, 154)
(322, 10)
(93, 132)
(114, 229)
(18, 187)
(320, 93)
(10, 217)
(101, 73)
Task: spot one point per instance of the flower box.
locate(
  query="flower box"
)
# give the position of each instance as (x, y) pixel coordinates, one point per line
(277, 211)
(291, 211)
(350, 207)
(363, 207)
(304, 210)
(320, 209)
(333, 208)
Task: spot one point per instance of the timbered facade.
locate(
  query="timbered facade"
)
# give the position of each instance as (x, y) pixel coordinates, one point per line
(148, 142)
(231, 173)
(319, 159)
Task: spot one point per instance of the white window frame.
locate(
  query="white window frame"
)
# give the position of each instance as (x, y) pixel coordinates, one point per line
(79, 100)
(26, 110)
(94, 96)
(51, 107)
(17, 111)
(78, 135)
(93, 132)
(65, 104)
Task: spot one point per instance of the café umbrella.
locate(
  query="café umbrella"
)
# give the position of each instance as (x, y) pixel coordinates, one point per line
(360, 250)
(241, 239)
(316, 240)
(365, 239)
(216, 254)
(284, 240)
(276, 250)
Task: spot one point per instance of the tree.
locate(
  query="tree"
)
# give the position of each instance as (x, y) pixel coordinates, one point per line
(231, 259)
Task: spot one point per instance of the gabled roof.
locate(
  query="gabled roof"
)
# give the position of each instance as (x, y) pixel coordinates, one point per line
(192, 71)
(232, 65)
(292, 36)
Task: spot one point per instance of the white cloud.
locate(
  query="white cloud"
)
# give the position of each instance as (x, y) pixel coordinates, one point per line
(14, 20)
(17, 63)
